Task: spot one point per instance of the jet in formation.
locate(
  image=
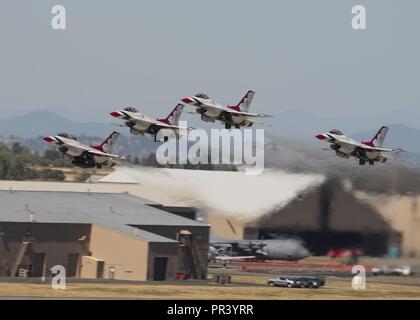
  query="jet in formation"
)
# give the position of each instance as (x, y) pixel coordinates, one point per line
(370, 151)
(270, 249)
(236, 116)
(84, 156)
(140, 124)
(232, 116)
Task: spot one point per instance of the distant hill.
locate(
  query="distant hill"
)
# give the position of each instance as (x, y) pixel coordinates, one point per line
(45, 122)
(294, 126)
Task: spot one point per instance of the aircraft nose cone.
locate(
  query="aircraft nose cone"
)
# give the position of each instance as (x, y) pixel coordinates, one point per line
(320, 137)
(48, 139)
(115, 114)
(187, 100)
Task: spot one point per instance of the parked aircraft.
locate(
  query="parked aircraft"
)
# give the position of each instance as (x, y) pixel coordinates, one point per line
(237, 116)
(370, 151)
(214, 254)
(140, 124)
(85, 156)
(270, 249)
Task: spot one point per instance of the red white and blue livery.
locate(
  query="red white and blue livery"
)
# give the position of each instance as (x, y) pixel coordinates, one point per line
(140, 124)
(85, 156)
(232, 116)
(369, 151)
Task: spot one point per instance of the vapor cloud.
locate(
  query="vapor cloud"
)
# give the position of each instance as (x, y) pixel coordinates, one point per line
(232, 193)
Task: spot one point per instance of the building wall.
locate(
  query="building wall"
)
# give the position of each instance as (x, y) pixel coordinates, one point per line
(168, 250)
(130, 258)
(200, 236)
(90, 267)
(403, 213)
(128, 255)
(56, 240)
(226, 226)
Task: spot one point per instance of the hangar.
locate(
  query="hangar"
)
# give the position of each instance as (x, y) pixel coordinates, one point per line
(329, 217)
(98, 235)
(326, 216)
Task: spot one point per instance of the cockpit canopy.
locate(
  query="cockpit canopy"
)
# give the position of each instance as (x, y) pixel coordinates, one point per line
(66, 135)
(337, 132)
(202, 96)
(130, 109)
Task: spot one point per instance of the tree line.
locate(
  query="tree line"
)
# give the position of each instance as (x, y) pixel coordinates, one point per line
(18, 163)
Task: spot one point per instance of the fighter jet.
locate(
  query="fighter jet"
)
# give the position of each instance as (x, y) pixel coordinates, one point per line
(370, 151)
(140, 124)
(82, 155)
(237, 116)
(271, 249)
(214, 255)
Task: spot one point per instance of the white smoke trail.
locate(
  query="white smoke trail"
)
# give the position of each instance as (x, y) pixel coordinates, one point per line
(231, 193)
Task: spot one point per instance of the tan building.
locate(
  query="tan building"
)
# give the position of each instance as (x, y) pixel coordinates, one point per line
(98, 235)
(403, 213)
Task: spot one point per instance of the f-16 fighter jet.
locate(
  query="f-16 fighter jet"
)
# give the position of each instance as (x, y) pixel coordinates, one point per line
(370, 151)
(237, 116)
(140, 124)
(85, 156)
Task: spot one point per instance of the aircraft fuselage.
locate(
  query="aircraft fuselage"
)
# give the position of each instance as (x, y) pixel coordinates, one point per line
(211, 111)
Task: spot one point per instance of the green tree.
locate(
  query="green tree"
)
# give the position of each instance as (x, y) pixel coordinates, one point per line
(52, 155)
(17, 148)
(16, 170)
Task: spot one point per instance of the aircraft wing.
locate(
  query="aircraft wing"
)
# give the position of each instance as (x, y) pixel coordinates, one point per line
(366, 147)
(153, 122)
(392, 158)
(228, 258)
(76, 145)
(219, 108)
(136, 118)
(381, 149)
(211, 107)
(249, 114)
(221, 241)
(104, 154)
(168, 126)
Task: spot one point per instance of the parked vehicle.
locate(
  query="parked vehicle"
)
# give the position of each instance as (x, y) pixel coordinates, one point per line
(400, 271)
(181, 276)
(282, 282)
(297, 282)
(313, 282)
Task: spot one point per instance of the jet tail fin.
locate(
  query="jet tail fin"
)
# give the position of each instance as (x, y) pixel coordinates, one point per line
(174, 116)
(378, 139)
(246, 101)
(108, 143)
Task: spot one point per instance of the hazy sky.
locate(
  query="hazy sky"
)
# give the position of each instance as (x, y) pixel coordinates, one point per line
(294, 54)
